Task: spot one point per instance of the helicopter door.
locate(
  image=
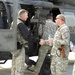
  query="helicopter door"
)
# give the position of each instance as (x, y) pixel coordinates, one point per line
(7, 35)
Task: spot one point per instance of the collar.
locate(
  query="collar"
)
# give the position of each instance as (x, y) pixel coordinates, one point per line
(21, 20)
(48, 20)
(61, 26)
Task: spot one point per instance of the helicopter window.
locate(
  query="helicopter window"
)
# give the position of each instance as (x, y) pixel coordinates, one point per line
(70, 18)
(3, 17)
(70, 21)
(1, 21)
(10, 12)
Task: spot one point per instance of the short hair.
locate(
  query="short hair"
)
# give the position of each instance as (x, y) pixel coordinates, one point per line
(61, 16)
(22, 11)
(48, 16)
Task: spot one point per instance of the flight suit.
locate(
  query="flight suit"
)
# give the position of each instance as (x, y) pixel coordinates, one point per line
(59, 64)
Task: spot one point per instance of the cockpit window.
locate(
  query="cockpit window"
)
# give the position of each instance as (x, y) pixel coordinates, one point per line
(3, 17)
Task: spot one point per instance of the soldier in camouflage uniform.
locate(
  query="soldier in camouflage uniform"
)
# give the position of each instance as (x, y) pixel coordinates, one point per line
(23, 36)
(48, 29)
(62, 37)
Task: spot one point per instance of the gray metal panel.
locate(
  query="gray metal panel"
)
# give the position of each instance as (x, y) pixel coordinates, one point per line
(72, 2)
(8, 37)
(72, 37)
(7, 40)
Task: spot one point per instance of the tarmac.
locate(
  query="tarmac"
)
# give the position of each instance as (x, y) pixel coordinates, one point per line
(5, 69)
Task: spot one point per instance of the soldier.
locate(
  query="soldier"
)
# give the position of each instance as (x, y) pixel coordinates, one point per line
(23, 36)
(61, 40)
(48, 30)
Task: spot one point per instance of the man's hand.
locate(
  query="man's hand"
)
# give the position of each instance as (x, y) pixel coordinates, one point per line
(42, 42)
(50, 41)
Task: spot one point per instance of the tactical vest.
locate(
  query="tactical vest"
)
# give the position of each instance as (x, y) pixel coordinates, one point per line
(20, 38)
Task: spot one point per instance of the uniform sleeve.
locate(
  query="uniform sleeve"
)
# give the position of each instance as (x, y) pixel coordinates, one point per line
(40, 30)
(26, 34)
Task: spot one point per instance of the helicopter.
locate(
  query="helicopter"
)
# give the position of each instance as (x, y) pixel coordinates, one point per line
(37, 9)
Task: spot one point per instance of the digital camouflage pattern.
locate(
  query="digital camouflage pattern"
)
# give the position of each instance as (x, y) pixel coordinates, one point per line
(62, 37)
(48, 29)
(74, 69)
(42, 53)
(18, 59)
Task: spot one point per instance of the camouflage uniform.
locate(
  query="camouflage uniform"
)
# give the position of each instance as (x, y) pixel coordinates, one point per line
(48, 29)
(18, 57)
(59, 65)
(74, 69)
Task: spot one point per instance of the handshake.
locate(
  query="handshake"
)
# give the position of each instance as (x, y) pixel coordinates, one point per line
(42, 42)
